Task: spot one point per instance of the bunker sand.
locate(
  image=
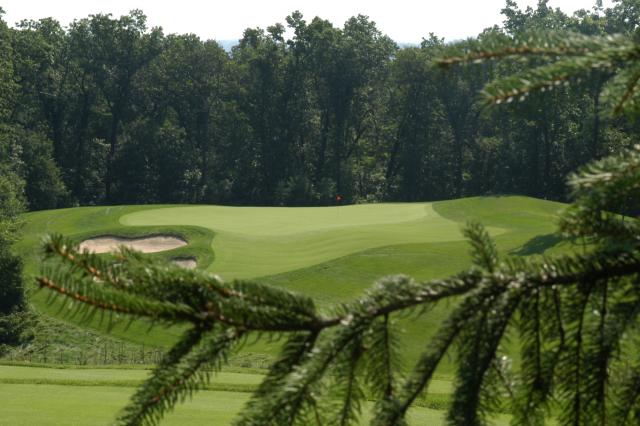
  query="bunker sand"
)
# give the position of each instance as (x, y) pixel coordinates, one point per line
(186, 262)
(152, 244)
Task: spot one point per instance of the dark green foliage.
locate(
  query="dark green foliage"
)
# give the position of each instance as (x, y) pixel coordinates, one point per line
(626, 410)
(111, 111)
(44, 188)
(11, 291)
(542, 335)
(12, 297)
(11, 204)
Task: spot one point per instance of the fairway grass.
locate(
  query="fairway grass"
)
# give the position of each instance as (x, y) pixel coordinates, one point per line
(93, 396)
(55, 405)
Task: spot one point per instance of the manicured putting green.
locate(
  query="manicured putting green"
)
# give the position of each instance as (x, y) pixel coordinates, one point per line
(257, 241)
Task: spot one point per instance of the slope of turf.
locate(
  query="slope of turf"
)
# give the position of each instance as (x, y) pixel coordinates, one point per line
(329, 253)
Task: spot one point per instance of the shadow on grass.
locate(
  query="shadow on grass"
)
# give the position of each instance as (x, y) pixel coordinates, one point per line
(537, 244)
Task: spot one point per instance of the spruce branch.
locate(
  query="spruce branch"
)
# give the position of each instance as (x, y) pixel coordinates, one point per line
(630, 91)
(627, 397)
(105, 299)
(483, 249)
(543, 44)
(146, 404)
(567, 58)
(346, 385)
(542, 339)
(184, 370)
(477, 353)
(381, 358)
(294, 351)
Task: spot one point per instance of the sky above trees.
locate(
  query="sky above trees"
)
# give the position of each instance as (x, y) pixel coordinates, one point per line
(405, 21)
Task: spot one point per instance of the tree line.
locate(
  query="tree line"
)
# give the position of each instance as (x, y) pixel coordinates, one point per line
(110, 111)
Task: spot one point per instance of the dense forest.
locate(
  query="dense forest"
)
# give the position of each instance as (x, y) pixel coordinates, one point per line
(109, 111)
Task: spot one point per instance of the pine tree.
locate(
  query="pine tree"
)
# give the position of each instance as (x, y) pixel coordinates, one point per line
(576, 314)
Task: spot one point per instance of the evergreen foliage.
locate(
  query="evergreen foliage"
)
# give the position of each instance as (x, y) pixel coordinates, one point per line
(12, 297)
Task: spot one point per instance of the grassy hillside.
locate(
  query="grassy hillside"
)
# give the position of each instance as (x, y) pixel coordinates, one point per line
(329, 253)
(332, 254)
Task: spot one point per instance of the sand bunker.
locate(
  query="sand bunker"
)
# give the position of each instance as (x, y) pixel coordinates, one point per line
(152, 244)
(186, 262)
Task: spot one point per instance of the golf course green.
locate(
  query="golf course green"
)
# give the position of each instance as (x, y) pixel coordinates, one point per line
(329, 253)
(251, 242)
(332, 254)
(257, 241)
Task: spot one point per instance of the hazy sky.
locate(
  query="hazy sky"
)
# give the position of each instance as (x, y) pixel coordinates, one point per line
(402, 20)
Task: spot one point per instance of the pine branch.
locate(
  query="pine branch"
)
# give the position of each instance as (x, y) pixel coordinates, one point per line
(627, 398)
(185, 369)
(392, 412)
(629, 93)
(598, 351)
(568, 58)
(476, 356)
(599, 188)
(541, 79)
(543, 44)
(63, 249)
(293, 353)
(290, 398)
(346, 386)
(542, 339)
(572, 369)
(381, 359)
(109, 300)
(483, 249)
(144, 403)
